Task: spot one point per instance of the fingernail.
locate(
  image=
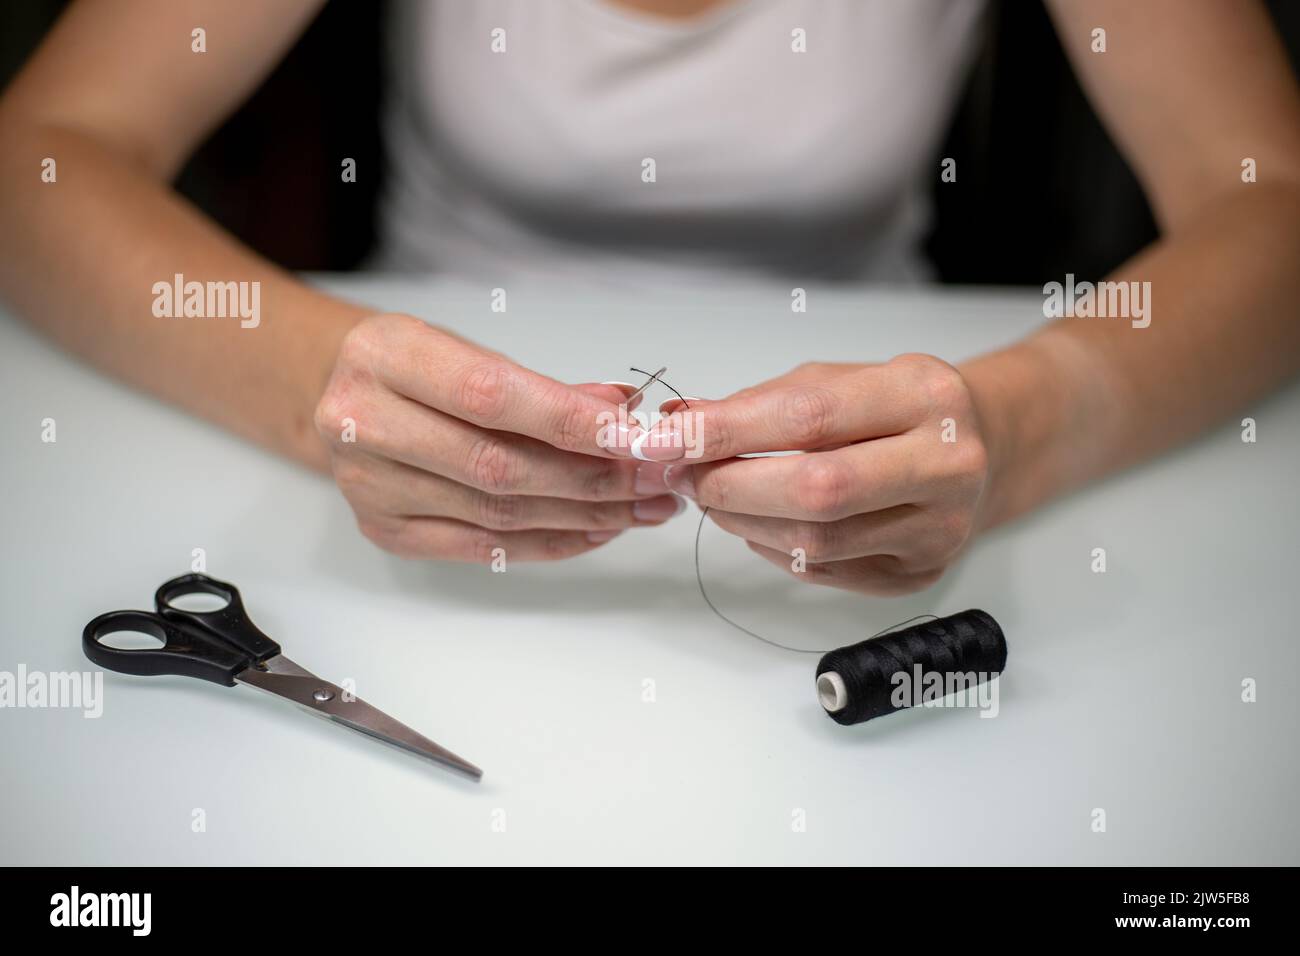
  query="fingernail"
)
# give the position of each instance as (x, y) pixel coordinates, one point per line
(661, 443)
(658, 509)
(627, 388)
(600, 537)
(650, 478)
(674, 401)
(681, 479)
(627, 437)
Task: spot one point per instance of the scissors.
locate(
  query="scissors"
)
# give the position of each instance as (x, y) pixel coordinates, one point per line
(225, 646)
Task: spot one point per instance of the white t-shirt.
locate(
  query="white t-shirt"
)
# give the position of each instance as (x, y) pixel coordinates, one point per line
(573, 138)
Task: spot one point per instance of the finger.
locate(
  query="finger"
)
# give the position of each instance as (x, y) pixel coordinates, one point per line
(807, 372)
(870, 403)
(463, 381)
(677, 404)
(618, 392)
(878, 576)
(391, 487)
(446, 539)
(614, 392)
(799, 375)
(886, 532)
(817, 486)
(668, 406)
(394, 427)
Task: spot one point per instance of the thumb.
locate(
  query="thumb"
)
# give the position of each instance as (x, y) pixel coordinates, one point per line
(616, 392)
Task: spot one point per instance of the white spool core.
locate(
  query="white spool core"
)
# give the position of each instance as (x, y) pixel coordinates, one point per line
(831, 692)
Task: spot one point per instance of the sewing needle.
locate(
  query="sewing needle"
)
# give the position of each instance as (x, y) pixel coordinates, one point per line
(641, 391)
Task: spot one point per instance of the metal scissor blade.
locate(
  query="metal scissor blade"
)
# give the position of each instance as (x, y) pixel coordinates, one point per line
(286, 680)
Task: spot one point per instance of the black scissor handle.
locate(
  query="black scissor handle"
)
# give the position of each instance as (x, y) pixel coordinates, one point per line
(186, 650)
(230, 623)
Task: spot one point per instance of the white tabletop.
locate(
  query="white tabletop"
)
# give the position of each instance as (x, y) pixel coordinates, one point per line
(1122, 690)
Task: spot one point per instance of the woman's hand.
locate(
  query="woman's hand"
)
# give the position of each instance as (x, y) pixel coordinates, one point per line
(887, 493)
(447, 450)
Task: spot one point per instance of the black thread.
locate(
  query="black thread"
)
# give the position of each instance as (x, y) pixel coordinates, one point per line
(699, 579)
(655, 377)
(970, 644)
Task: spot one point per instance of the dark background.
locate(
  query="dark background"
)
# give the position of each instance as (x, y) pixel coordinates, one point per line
(1040, 191)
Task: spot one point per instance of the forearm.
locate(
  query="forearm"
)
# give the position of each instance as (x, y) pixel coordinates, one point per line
(1086, 396)
(79, 258)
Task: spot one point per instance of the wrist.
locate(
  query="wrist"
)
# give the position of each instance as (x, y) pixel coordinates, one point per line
(317, 365)
(1021, 396)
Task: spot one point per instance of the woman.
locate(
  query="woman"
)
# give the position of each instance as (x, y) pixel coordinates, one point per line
(787, 138)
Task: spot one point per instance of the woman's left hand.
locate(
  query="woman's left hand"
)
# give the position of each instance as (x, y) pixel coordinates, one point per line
(887, 491)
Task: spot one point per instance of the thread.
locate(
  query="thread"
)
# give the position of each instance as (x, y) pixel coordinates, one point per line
(858, 682)
(654, 377)
(895, 671)
(699, 579)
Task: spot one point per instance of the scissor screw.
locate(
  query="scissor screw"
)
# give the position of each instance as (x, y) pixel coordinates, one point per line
(323, 695)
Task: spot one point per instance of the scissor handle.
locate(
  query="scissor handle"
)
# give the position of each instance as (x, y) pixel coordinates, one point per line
(230, 623)
(186, 650)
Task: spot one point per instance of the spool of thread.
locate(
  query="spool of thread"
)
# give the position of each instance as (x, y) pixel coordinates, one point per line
(858, 682)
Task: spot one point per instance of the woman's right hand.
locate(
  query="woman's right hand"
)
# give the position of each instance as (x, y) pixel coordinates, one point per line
(447, 450)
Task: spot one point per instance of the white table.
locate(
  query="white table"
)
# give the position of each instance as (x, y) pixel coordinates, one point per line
(1123, 689)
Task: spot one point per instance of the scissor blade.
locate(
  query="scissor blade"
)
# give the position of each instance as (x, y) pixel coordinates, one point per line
(286, 680)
